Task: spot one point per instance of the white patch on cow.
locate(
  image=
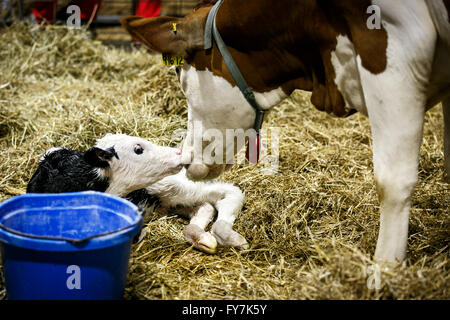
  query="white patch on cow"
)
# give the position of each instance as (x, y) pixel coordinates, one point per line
(136, 171)
(347, 79)
(271, 98)
(46, 153)
(218, 105)
(213, 101)
(194, 81)
(395, 102)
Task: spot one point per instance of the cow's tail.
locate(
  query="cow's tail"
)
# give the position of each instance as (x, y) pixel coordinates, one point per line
(440, 13)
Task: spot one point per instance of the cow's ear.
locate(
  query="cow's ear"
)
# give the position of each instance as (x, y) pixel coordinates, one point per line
(99, 158)
(168, 35)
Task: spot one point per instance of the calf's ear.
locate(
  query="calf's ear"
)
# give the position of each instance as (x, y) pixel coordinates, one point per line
(100, 158)
(169, 35)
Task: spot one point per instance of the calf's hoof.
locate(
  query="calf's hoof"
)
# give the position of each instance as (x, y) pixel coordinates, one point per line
(202, 240)
(226, 236)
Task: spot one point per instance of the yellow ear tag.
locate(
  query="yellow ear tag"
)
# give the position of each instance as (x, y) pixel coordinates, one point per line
(171, 61)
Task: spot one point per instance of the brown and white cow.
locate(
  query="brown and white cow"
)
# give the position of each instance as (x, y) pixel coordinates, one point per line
(393, 74)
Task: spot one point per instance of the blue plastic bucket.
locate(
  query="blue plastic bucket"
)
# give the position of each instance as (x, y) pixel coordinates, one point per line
(67, 246)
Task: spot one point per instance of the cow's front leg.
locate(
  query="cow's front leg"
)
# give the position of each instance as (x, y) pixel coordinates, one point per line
(195, 233)
(446, 110)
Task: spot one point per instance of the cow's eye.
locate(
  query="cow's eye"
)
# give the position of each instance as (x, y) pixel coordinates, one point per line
(138, 149)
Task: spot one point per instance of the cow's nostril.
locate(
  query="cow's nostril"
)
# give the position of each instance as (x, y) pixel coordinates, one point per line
(178, 152)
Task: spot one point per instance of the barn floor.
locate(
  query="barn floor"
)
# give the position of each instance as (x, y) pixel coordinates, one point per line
(312, 227)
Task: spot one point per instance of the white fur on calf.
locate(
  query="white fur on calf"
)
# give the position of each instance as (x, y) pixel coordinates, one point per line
(202, 199)
(139, 163)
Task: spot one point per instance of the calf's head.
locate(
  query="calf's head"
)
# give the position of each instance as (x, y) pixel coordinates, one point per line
(132, 163)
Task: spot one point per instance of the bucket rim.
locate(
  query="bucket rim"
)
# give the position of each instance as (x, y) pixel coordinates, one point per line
(60, 244)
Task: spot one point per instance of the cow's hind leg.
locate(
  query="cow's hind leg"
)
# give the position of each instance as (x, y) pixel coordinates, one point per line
(446, 110)
(195, 233)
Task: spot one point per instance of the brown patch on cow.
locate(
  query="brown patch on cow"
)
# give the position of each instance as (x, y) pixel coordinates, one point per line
(371, 45)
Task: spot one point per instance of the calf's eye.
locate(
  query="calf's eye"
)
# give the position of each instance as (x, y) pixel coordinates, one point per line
(138, 149)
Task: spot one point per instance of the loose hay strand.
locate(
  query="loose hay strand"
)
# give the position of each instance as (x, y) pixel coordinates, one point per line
(312, 227)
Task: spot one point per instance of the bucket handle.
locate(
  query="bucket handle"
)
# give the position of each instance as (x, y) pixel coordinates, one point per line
(73, 241)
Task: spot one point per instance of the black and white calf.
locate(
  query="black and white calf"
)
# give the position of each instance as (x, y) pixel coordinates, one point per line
(145, 173)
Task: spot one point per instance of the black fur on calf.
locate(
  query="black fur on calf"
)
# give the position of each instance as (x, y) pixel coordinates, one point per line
(66, 170)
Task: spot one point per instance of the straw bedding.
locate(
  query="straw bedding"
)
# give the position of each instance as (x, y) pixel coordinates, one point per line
(312, 227)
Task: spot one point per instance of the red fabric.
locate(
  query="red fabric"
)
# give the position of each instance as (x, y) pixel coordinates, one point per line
(87, 8)
(148, 8)
(44, 10)
(47, 9)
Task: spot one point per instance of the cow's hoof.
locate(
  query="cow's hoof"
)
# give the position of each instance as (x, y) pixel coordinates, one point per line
(202, 240)
(226, 236)
(388, 261)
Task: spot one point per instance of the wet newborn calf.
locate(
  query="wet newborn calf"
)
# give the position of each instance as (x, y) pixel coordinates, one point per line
(136, 169)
